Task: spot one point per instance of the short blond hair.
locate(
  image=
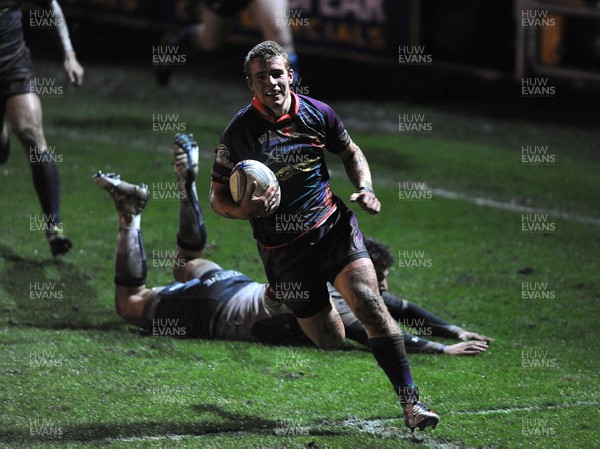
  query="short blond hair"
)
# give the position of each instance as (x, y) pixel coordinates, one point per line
(267, 51)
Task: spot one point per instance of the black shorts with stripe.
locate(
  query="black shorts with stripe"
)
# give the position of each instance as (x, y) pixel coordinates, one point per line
(299, 272)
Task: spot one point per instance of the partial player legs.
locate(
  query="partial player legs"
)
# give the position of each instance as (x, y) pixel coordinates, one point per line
(4, 140)
(271, 15)
(24, 113)
(212, 32)
(131, 292)
(205, 37)
(325, 329)
(357, 283)
(191, 233)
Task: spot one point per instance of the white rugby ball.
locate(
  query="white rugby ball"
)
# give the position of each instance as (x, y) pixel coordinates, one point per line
(250, 170)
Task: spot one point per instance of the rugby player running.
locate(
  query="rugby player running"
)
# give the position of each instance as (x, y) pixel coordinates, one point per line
(290, 133)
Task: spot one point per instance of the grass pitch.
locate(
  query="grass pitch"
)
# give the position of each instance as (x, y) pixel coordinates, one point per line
(73, 375)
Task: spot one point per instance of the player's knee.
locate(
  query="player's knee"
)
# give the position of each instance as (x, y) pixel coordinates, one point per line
(125, 307)
(121, 302)
(30, 137)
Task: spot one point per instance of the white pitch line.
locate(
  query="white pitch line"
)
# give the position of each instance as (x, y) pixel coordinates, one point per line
(499, 411)
(374, 425)
(442, 193)
(512, 207)
(486, 202)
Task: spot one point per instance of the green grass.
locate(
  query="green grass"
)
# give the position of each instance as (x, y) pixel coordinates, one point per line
(71, 370)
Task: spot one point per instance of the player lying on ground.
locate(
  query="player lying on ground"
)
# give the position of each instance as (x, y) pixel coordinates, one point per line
(207, 301)
(244, 316)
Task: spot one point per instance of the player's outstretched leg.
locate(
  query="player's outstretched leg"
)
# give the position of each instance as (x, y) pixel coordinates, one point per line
(191, 234)
(130, 200)
(130, 268)
(416, 414)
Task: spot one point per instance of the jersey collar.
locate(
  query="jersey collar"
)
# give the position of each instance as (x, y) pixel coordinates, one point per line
(265, 113)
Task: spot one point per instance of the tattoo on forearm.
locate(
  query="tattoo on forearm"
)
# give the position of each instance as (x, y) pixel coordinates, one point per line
(357, 168)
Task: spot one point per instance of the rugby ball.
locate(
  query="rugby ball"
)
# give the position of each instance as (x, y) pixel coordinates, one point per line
(250, 170)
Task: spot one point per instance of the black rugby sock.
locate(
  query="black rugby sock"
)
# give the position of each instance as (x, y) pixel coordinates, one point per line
(47, 187)
(390, 354)
(191, 234)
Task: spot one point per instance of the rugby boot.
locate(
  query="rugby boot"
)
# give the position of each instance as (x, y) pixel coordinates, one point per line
(130, 199)
(416, 414)
(186, 152)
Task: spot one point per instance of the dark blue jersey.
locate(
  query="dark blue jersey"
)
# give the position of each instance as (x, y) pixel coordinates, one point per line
(293, 148)
(194, 307)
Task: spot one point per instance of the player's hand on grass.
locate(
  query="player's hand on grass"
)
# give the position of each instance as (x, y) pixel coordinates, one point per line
(259, 206)
(466, 335)
(473, 347)
(367, 201)
(73, 69)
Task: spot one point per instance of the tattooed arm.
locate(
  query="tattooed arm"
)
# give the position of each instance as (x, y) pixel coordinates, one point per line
(359, 174)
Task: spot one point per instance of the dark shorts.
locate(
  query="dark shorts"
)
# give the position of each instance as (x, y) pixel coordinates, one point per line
(226, 7)
(299, 272)
(15, 78)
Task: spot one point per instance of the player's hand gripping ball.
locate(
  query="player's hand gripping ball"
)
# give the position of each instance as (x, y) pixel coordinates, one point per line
(250, 170)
